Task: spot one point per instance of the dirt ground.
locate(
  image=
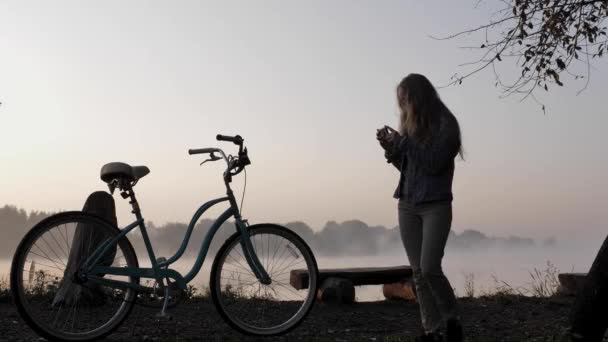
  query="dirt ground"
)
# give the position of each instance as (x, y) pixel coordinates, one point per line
(497, 318)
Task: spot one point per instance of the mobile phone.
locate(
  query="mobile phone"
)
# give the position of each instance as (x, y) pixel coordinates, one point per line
(389, 129)
(383, 131)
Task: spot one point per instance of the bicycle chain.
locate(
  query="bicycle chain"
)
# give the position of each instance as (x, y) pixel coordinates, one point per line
(180, 297)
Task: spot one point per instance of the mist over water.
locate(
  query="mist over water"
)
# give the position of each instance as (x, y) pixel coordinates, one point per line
(355, 244)
(509, 265)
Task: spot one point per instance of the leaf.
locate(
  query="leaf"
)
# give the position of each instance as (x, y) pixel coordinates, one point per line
(483, 46)
(560, 63)
(555, 76)
(498, 57)
(546, 88)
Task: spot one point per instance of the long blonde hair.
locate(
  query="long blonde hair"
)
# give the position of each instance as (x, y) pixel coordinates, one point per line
(421, 109)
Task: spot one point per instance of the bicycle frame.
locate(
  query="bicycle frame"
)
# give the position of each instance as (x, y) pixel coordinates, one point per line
(161, 270)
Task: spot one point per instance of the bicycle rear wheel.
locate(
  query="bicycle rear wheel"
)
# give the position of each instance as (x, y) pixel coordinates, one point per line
(49, 297)
(254, 308)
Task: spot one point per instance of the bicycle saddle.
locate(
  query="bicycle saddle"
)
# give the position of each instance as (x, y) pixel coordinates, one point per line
(122, 171)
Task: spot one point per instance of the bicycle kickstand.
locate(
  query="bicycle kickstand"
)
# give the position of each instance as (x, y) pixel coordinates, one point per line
(163, 312)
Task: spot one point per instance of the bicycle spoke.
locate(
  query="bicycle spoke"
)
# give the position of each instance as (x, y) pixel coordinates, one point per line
(74, 321)
(252, 305)
(46, 257)
(51, 299)
(239, 266)
(59, 245)
(271, 267)
(289, 289)
(282, 260)
(52, 250)
(290, 265)
(66, 237)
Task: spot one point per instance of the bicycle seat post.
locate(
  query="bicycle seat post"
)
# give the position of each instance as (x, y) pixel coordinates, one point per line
(128, 193)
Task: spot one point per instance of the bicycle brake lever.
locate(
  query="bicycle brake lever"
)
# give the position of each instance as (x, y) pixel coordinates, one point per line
(213, 157)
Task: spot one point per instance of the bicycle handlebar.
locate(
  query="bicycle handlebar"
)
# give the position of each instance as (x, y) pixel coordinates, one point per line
(201, 150)
(237, 139)
(235, 165)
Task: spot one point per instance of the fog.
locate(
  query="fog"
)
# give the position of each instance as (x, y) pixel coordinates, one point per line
(353, 243)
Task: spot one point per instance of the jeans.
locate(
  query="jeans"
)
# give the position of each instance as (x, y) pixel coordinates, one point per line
(424, 232)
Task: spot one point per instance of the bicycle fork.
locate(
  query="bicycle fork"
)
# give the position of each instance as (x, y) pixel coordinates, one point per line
(250, 254)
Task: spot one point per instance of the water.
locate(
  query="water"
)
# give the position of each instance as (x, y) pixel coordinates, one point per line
(511, 266)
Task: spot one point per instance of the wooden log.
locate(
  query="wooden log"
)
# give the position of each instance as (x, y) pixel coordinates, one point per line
(403, 290)
(86, 239)
(570, 283)
(588, 316)
(336, 291)
(359, 276)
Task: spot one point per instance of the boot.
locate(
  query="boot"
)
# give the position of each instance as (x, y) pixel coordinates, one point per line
(429, 337)
(454, 331)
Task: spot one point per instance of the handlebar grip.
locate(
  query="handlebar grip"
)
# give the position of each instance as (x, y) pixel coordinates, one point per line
(201, 150)
(236, 139)
(220, 137)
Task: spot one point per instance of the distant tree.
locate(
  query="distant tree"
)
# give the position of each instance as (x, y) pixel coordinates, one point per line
(347, 238)
(14, 223)
(545, 38)
(304, 231)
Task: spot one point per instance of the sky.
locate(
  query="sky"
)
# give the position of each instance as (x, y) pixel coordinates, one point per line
(306, 84)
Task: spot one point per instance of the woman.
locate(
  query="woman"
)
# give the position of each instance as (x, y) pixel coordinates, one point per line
(423, 150)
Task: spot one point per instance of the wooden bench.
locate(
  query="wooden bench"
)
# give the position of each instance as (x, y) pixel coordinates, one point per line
(337, 285)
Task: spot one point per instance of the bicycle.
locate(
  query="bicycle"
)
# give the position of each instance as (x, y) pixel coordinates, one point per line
(89, 295)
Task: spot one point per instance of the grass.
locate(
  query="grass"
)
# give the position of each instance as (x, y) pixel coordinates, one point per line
(469, 285)
(41, 286)
(5, 290)
(544, 283)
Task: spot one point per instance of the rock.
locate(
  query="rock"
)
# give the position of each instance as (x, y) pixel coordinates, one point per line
(99, 203)
(403, 290)
(336, 291)
(571, 283)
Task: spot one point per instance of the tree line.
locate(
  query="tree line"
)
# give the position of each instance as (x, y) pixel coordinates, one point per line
(348, 238)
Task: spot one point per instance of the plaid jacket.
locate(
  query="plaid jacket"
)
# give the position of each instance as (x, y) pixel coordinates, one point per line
(429, 169)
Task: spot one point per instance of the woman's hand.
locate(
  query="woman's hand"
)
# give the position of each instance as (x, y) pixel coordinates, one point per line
(387, 136)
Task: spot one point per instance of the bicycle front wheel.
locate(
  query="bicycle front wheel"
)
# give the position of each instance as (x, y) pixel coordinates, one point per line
(51, 298)
(254, 308)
